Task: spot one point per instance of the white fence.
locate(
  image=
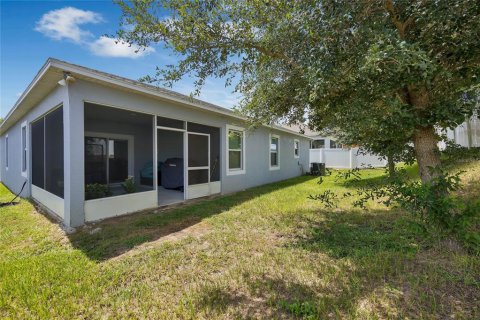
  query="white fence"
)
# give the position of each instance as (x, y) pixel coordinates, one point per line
(345, 158)
(467, 134)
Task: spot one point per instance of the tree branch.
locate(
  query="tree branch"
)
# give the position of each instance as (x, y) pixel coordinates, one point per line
(400, 25)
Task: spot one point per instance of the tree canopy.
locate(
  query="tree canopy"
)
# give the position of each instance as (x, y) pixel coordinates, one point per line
(396, 66)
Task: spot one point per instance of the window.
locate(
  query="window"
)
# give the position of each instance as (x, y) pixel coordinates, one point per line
(24, 149)
(296, 148)
(95, 160)
(318, 144)
(235, 150)
(108, 158)
(274, 152)
(6, 151)
(334, 145)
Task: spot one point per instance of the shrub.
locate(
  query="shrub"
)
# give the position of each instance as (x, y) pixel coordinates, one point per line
(431, 201)
(439, 211)
(96, 191)
(129, 185)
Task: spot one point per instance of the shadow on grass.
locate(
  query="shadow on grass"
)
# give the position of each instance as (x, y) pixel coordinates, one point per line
(359, 234)
(372, 248)
(119, 235)
(269, 297)
(367, 250)
(372, 181)
(380, 180)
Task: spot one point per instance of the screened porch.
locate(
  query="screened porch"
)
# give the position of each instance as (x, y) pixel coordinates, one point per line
(135, 161)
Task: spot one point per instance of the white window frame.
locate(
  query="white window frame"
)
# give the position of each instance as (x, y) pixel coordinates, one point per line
(277, 167)
(24, 166)
(6, 152)
(242, 170)
(295, 143)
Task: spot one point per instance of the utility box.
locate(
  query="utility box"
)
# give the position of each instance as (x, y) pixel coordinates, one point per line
(317, 169)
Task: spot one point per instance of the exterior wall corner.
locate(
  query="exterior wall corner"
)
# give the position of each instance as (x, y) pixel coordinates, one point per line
(74, 182)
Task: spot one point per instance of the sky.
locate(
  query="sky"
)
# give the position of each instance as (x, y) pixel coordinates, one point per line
(74, 31)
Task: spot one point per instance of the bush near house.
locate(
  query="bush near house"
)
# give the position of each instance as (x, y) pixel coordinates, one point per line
(95, 191)
(129, 185)
(268, 252)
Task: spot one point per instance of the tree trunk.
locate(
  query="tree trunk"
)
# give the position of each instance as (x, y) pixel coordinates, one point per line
(426, 151)
(391, 166)
(424, 138)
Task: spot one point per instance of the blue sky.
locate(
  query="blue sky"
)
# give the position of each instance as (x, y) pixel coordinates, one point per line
(32, 31)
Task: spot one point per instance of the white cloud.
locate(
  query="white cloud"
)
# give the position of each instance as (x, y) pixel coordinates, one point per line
(64, 24)
(109, 47)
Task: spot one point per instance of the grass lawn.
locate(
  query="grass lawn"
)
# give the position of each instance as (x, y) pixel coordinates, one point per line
(267, 252)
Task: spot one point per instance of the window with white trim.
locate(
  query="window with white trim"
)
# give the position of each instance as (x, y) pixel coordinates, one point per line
(235, 150)
(6, 152)
(274, 152)
(24, 148)
(296, 148)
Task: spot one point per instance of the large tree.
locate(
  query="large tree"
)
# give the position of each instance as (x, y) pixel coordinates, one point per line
(336, 62)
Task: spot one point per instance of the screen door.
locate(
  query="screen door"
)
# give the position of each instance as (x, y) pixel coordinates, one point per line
(198, 165)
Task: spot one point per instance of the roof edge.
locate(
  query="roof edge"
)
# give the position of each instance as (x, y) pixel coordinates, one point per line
(133, 85)
(27, 90)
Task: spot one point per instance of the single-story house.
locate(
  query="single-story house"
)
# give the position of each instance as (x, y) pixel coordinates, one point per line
(91, 145)
(318, 140)
(326, 149)
(322, 142)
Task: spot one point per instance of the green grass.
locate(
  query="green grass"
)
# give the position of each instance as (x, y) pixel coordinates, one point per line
(267, 252)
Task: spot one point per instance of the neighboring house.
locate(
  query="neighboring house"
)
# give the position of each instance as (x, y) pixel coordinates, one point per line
(325, 149)
(346, 158)
(76, 130)
(320, 142)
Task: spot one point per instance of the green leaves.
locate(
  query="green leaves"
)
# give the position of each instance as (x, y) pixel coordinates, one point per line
(396, 63)
(377, 70)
